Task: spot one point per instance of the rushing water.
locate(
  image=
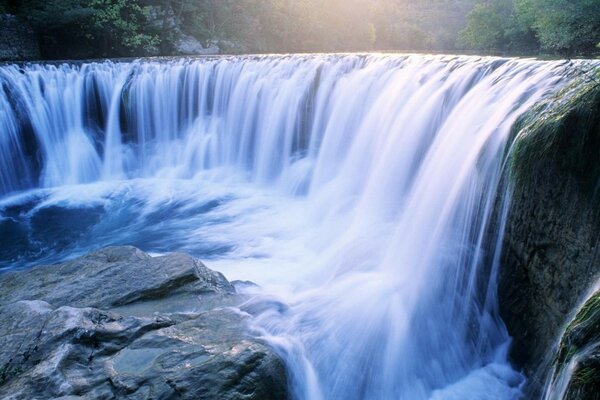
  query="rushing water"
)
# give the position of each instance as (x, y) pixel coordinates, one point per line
(358, 190)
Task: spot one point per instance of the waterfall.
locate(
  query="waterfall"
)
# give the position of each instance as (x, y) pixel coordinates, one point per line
(360, 191)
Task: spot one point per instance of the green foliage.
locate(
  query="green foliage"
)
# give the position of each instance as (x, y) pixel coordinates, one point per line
(119, 24)
(563, 26)
(566, 27)
(98, 28)
(108, 28)
(487, 26)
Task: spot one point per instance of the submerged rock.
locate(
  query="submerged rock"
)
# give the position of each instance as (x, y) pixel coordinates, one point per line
(121, 324)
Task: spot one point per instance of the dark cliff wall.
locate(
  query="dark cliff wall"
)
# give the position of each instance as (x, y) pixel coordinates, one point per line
(17, 40)
(550, 257)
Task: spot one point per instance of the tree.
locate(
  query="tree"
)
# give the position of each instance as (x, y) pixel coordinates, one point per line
(494, 25)
(115, 27)
(563, 26)
(119, 25)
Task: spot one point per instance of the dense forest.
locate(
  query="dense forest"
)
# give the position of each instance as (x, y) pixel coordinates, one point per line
(113, 28)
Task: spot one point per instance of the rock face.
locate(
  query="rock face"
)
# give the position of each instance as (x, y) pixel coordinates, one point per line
(121, 324)
(188, 45)
(576, 373)
(550, 255)
(17, 40)
(182, 43)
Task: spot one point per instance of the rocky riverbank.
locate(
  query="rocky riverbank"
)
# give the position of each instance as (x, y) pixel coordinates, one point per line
(118, 323)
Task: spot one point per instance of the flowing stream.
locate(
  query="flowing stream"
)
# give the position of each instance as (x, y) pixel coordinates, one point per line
(360, 191)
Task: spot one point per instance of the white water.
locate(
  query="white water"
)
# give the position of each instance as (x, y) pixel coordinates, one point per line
(358, 190)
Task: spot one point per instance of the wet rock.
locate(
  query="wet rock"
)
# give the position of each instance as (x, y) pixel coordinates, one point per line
(113, 277)
(121, 324)
(576, 371)
(550, 251)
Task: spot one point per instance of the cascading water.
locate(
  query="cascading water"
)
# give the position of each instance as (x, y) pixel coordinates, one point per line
(358, 190)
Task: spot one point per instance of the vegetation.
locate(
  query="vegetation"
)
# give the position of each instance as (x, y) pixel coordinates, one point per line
(565, 27)
(580, 346)
(91, 27)
(109, 28)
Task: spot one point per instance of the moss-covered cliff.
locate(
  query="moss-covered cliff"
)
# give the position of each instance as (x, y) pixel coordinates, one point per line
(550, 255)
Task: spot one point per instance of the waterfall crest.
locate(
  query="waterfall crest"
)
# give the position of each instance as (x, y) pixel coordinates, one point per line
(364, 197)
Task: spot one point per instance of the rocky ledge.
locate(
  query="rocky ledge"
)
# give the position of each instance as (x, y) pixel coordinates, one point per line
(118, 323)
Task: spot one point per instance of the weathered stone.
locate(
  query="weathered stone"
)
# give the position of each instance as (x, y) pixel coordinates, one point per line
(550, 253)
(121, 324)
(113, 277)
(188, 45)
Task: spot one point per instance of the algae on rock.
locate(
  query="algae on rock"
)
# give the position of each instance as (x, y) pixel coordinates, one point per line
(549, 258)
(576, 368)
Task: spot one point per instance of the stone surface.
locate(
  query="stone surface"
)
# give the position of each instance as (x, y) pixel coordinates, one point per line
(576, 371)
(548, 263)
(550, 254)
(17, 40)
(188, 45)
(121, 324)
(183, 43)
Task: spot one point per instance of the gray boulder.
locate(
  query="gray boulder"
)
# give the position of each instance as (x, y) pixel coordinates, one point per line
(188, 45)
(121, 324)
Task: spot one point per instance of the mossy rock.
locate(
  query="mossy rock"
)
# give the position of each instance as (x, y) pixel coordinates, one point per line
(551, 246)
(582, 331)
(578, 355)
(564, 131)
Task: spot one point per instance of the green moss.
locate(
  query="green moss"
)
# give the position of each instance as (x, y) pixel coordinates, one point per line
(588, 313)
(582, 331)
(584, 383)
(8, 373)
(582, 339)
(585, 376)
(562, 132)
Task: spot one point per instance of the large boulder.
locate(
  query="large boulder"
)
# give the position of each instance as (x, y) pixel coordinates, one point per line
(550, 254)
(121, 324)
(188, 45)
